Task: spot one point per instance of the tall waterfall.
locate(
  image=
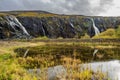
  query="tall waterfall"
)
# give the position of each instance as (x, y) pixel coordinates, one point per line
(95, 28)
(13, 21)
(11, 24)
(21, 26)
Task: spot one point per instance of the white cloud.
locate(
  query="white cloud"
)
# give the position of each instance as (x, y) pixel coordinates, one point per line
(80, 7)
(95, 3)
(46, 1)
(113, 10)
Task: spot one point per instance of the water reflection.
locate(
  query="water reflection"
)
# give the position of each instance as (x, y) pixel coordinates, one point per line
(112, 68)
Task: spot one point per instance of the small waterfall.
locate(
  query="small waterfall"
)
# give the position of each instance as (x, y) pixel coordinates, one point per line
(43, 30)
(13, 21)
(95, 28)
(71, 25)
(95, 52)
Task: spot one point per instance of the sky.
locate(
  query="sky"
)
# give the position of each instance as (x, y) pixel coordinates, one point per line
(79, 7)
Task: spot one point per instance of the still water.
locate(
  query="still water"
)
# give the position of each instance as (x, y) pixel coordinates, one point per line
(111, 68)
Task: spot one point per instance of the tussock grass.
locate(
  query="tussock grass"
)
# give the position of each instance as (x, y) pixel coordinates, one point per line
(45, 54)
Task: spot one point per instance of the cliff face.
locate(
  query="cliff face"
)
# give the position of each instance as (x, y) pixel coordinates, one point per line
(53, 26)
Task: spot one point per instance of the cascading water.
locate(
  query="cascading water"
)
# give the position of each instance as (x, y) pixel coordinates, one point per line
(13, 21)
(95, 28)
(71, 25)
(21, 26)
(12, 24)
(43, 30)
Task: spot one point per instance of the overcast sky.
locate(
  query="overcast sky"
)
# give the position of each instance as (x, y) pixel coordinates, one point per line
(81, 7)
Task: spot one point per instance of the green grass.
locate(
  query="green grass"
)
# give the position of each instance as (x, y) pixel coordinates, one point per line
(35, 14)
(12, 70)
(42, 55)
(118, 32)
(108, 34)
(40, 38)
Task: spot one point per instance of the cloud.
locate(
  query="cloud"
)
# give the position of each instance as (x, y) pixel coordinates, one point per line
(81, 7)
(112, 11)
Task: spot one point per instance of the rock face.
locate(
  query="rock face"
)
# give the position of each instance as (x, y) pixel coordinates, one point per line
(66, 26)
(11, 27)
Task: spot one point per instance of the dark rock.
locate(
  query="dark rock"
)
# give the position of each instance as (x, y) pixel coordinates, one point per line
(53, 27)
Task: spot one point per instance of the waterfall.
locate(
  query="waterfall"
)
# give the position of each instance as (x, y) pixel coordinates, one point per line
(95, 52)
(71, 25)
(43, 30)
(13, 21)
(12, 24)
(21, 26)
(95, 28)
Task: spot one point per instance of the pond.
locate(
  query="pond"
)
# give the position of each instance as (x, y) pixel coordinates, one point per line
(56, 54)
(111, 68)
(54, 57)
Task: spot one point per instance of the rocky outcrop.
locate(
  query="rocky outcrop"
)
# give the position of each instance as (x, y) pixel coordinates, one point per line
(12, 26)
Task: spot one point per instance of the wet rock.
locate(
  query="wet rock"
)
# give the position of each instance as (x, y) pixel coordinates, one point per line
(53, 27)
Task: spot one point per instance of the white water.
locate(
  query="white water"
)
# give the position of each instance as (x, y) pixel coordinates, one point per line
(12, 24)
(71, 25)
(112, 68)
(95, 52)
(95, 28)
(43, 31)
(13, 21)
(21, 26)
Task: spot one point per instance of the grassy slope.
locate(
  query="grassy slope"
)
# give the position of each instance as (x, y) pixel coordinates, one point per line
(109, 34)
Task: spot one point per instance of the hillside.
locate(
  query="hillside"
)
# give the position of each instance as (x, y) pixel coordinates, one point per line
(29, 24)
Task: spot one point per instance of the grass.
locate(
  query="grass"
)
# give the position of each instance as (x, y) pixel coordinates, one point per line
(40, 38)
(118, 32)
(35, 14)
(45, 54)
(109, 34)
(3, 14)
(53, 53)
